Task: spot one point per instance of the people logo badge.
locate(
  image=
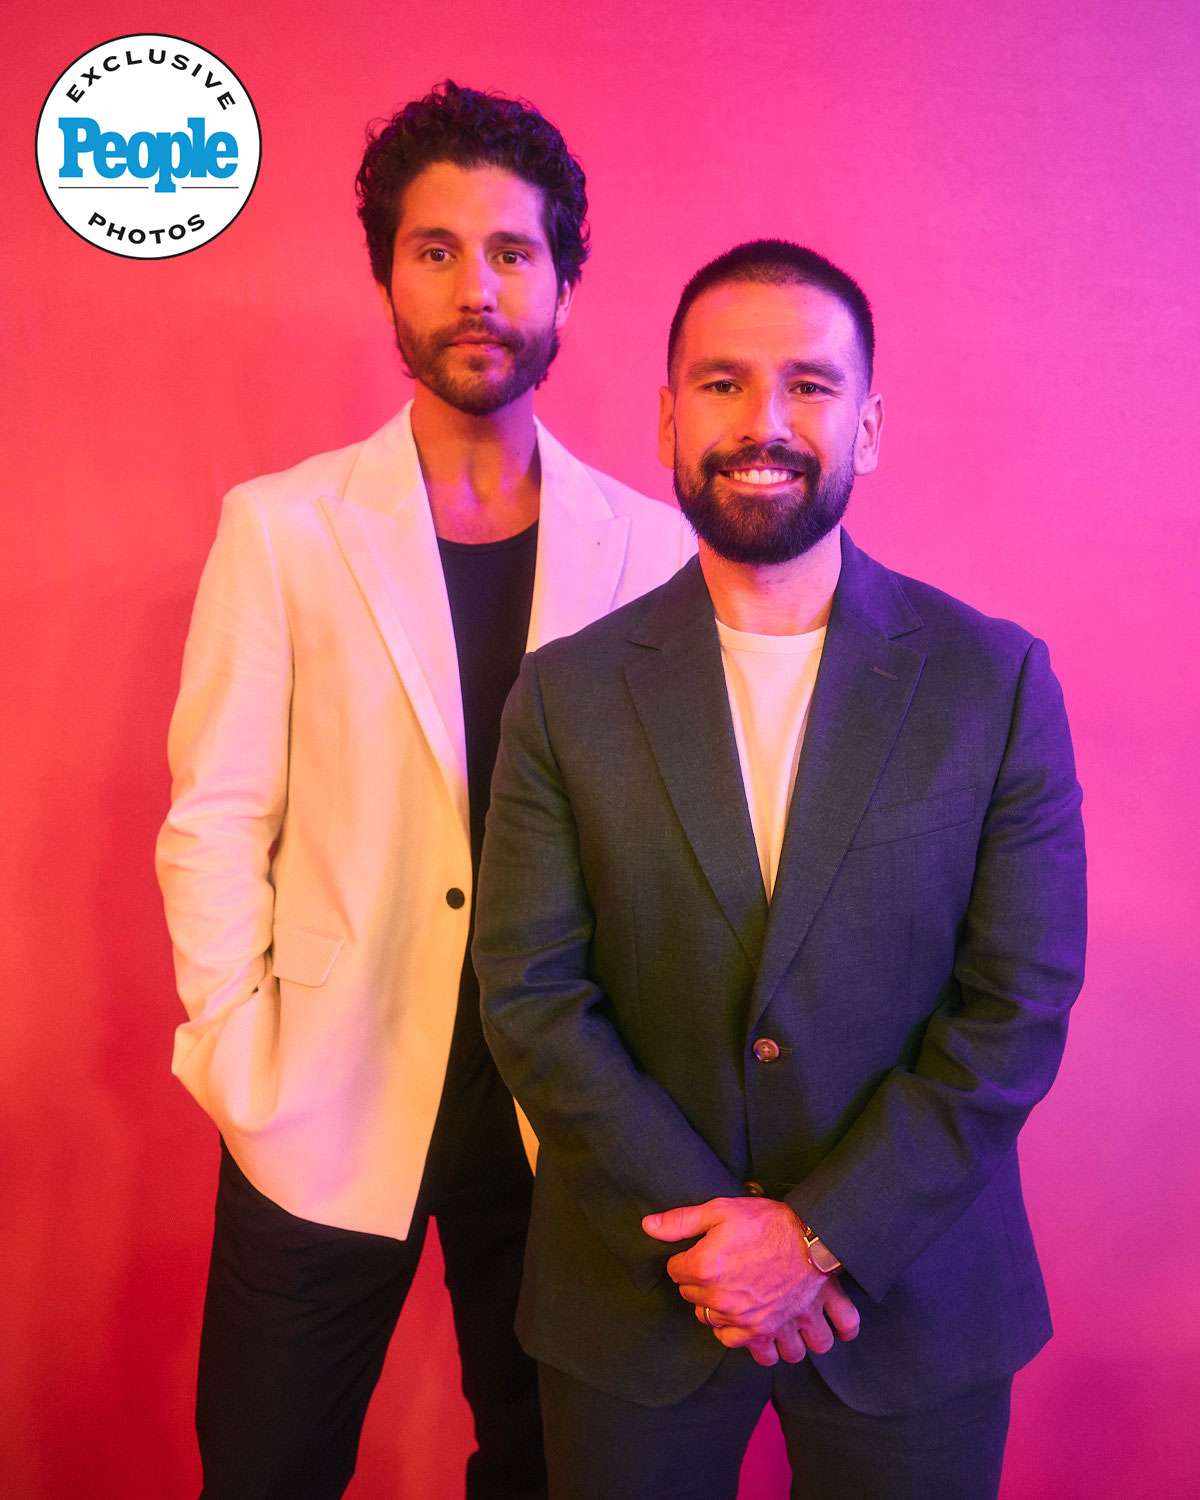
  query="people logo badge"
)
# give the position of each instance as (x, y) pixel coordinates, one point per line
(148, 146)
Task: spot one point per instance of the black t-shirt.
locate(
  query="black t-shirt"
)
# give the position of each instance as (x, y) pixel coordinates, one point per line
(476, 1147)
(490, 588)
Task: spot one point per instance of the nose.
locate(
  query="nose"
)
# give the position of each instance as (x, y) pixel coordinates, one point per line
(476, 285)
(765, 419)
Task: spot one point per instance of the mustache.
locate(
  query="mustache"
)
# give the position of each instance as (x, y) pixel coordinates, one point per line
(773, 456)
(478, 328)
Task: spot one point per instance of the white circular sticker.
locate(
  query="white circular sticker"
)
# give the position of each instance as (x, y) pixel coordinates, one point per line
(148, 146)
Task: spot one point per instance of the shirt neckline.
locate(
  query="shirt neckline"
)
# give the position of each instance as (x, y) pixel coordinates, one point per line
(518, 538)
(771, 645)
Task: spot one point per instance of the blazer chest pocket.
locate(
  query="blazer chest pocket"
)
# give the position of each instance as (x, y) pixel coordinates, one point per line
(303, 956)
(906, 820)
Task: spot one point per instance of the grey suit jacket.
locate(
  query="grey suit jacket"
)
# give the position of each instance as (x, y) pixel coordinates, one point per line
(916, 966)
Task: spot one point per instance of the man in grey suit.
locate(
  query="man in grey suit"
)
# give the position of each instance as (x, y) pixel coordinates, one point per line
(781, 914)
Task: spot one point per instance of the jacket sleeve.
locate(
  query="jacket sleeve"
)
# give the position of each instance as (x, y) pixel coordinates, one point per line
(930, 1137)
(613, 1134)
(228, 754)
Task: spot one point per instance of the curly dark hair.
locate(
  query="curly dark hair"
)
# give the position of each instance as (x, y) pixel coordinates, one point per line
(472, 129)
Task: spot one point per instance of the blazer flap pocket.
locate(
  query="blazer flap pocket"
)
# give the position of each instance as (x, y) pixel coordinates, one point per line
(302, 955)
(904, 820)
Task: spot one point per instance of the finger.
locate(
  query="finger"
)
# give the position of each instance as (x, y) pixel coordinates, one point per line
(697, 1266)
(816, 1333)
(790, 1345)
(730, 1305)
(764, 1352)
(843, 1314)
(734, 1337)
(693, 1291)
(710, 1317)
(684, 1223)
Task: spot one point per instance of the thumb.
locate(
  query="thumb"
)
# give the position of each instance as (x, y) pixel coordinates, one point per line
(683, 1223)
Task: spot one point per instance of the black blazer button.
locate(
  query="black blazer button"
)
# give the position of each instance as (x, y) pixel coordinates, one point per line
(455, 898)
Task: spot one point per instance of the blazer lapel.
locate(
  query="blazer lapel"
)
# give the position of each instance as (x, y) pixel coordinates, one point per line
(384, 528)
(679, 694)
(863, 690)
(580, 551)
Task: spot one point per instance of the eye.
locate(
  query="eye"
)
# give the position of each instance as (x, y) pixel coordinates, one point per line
(810, 388)
(721, 387)
(513, 257)
(438, 254)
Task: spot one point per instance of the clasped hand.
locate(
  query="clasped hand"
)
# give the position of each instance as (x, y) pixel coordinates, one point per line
(750, 1278)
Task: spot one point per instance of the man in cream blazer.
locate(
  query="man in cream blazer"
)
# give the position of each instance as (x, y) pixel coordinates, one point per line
(317, 863)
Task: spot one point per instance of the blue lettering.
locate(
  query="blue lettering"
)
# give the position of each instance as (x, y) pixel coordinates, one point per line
(141, 154)
(222, 154)
(164, 155)
(110, 156)
(77, 132)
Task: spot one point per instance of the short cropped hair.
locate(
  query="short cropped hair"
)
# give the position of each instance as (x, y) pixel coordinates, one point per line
(779, 262)
(472, 129)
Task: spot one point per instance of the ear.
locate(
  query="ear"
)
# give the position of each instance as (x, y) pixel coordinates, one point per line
(562, 310)
(666, 427)
(870, 430)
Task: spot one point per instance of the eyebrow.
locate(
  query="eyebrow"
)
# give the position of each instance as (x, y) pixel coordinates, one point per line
(823, 369)
(497, 237)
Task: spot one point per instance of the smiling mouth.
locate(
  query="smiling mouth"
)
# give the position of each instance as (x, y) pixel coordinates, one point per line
(761, 477)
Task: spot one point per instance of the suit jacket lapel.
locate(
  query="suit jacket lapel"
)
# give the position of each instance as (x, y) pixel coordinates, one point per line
(384, 528)
(679, 694)
(581, 547)
(863, 690)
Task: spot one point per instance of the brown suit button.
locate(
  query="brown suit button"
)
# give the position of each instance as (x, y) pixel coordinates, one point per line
(766, 1050)
(755, 1189)
(455, 898)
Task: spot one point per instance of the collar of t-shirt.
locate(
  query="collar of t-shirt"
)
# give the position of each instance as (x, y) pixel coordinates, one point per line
(769, 679)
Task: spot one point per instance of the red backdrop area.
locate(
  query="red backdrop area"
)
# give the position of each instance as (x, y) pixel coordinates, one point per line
(1015, 185)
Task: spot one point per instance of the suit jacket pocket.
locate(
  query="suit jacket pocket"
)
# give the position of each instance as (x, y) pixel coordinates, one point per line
(905, 820)
(303, 956)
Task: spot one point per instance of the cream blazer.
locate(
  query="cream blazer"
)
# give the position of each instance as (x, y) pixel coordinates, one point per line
(318, 822)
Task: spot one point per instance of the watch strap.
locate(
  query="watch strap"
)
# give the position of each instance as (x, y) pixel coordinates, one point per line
(819, 1252)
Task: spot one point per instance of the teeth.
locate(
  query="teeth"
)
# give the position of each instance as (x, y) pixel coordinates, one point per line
(761, 476)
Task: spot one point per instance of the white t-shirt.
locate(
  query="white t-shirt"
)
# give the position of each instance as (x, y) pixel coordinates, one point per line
(770, 681)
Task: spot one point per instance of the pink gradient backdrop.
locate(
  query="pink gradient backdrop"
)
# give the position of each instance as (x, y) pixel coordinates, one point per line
(1015, 185)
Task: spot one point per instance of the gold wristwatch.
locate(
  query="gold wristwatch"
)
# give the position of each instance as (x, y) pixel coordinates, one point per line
(819, 1252)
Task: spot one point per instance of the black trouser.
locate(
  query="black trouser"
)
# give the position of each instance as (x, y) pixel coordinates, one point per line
(599, 1447)
(298, 1316)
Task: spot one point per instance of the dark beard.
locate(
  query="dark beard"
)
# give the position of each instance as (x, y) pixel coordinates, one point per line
(426, 359)
(743, 529)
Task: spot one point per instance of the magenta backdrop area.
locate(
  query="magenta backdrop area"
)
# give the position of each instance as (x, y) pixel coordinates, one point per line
(1015, 186)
